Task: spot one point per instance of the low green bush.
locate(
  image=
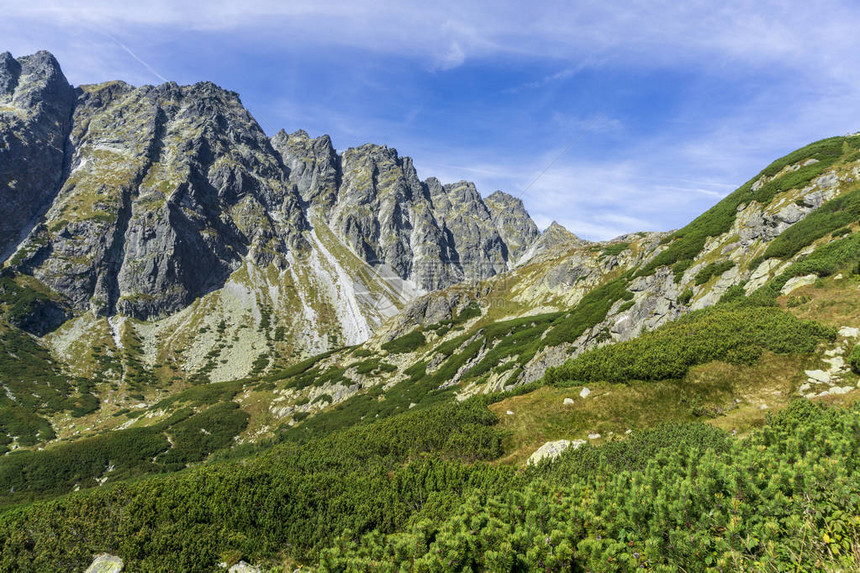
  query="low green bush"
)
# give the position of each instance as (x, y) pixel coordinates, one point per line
(854, 359)
(406, 343)
(615, 249)
(736, 334)
(713, 270)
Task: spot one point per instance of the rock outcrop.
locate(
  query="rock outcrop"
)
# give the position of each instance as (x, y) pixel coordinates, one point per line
(36, 105)
(105, 563)
(552, 450)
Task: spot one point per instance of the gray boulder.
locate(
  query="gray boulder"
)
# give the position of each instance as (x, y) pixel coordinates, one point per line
(552, 450)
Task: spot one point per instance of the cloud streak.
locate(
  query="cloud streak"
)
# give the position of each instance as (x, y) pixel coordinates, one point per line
(137, 59)
(656, 32)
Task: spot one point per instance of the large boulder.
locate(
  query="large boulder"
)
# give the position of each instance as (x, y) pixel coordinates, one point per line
(105, 563)
(552, 450)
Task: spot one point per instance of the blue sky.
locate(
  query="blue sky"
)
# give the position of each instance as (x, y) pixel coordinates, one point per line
(609, 117)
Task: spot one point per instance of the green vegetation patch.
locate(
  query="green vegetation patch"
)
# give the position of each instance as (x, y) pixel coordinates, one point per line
(23, 296)
(614, 249)
(303, 366)
(713, 270)
(205, 395)
(120, 454)
(200, 435)
(23, 423)
(32, 386)
(317, 377)
(56, 470)
(374, 365)
(406, 343)
(679, 268)
(734, 334)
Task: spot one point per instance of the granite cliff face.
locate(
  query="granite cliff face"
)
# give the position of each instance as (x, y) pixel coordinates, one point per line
(36, 105)
(431, 234)
(145, 201)
(168, 189)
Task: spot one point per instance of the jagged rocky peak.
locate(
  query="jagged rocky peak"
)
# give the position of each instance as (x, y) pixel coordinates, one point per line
(553, 238)
(384, 214)
(168, 188)
(33, 82)
(312, 165)
(513, 222)
(432, 234)
(475, 241)
(36, 104)
(557, 233)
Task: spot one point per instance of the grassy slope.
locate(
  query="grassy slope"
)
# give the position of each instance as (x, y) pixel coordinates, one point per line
(707, 391)
(686, 243)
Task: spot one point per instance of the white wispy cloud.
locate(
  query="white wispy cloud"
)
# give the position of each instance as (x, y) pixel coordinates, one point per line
(657, 32)
(645, 179)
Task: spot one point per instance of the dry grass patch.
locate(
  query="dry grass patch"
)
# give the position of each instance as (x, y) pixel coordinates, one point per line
(727, 396)
(833, 302)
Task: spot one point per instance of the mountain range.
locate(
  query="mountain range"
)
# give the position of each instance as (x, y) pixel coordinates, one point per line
(179, 290)
(143, 202)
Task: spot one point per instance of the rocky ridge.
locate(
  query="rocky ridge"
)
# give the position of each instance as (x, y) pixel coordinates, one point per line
(158, 202)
